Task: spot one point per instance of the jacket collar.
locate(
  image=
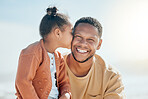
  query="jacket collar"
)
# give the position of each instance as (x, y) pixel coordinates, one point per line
(46, 54)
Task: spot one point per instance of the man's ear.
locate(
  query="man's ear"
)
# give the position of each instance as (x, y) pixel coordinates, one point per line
(99, 45)
(57, 33)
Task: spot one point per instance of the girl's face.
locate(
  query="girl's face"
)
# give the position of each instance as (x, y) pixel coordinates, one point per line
(67, 36)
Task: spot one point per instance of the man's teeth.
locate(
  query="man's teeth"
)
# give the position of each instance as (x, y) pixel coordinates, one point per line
(81, 51)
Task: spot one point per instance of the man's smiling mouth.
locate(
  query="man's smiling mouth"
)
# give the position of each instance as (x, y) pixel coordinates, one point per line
(81, 51)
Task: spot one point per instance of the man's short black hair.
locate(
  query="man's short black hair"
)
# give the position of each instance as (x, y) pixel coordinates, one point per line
(92, 21)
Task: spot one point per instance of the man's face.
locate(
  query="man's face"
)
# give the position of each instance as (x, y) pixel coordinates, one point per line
(85, 42)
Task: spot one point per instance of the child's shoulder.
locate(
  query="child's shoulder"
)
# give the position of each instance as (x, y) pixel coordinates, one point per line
(32, 48)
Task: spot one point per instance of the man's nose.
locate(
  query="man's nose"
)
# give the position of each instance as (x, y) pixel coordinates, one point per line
(83, 42)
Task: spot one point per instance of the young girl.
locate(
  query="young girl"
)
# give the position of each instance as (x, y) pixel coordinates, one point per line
(41, 70)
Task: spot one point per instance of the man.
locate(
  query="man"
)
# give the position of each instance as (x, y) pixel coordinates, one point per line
(90, 77)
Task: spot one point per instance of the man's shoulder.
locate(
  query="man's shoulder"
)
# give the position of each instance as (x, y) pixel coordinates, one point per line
(107, 68)
(111, 79)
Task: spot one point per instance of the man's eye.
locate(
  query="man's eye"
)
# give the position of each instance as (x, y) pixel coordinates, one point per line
(90, 40)
(77, 37)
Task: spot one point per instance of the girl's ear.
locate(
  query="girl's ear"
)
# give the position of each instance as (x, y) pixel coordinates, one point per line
(99, 45)
(57, 33)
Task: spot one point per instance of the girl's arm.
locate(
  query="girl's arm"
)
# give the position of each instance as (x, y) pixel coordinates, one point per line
(27, 67)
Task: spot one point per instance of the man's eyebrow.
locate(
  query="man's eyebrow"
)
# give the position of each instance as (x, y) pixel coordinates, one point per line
(77, 33)
(92, 37)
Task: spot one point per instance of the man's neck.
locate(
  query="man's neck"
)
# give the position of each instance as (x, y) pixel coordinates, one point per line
(79, 69)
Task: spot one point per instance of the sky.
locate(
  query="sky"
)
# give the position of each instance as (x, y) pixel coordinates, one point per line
(125, 33)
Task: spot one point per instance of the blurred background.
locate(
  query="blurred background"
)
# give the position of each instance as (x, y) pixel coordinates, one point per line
(125, 37)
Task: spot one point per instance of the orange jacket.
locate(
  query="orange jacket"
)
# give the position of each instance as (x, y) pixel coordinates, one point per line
(33, 79)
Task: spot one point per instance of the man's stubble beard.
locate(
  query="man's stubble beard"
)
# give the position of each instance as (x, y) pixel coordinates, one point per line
(81, 61)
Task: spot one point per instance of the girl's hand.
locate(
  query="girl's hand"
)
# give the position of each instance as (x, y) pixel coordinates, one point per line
(65, 96)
